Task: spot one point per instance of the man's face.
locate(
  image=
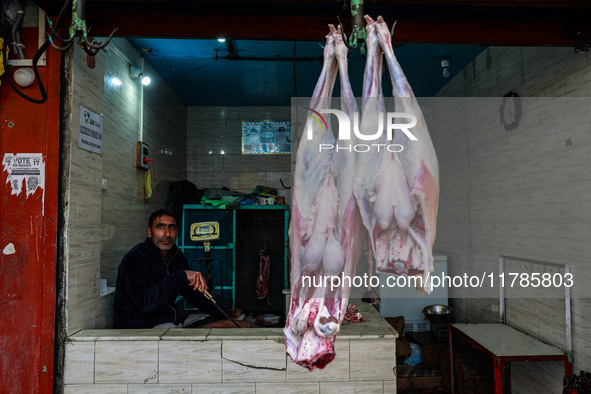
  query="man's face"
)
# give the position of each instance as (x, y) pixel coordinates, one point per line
(32, 183)
(163, 233)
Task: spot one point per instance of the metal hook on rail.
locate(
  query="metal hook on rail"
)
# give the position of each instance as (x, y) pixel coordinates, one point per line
(358, 22)
(78, 28)
(345, 40)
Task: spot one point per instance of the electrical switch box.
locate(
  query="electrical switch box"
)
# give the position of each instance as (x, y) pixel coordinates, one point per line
(142, 155)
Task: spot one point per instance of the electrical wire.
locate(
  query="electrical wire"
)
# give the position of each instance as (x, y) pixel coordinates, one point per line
(38, 54)
(17, 45)
(282, 184)
(43, 98)
(16, 30)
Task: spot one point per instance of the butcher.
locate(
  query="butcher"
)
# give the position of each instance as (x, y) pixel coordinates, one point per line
(150, 277)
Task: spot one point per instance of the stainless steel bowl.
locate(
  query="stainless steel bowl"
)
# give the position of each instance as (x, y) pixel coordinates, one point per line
(438, 314)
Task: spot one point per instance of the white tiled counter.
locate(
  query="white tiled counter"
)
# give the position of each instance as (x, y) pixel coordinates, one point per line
(228, 360)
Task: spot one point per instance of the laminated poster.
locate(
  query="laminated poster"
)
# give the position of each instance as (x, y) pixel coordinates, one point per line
(264, 137)
(26, 172)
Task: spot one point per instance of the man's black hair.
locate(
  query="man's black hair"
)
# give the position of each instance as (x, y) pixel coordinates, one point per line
(161, 212)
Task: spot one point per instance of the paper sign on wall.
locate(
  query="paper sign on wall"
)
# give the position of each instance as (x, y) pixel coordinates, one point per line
(25, 171)
(90, 131)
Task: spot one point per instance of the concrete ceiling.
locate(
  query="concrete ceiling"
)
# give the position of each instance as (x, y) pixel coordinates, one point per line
(482, 22)
(273, 54)
(266, 73)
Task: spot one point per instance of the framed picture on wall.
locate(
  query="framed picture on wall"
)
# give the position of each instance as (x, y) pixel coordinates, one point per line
(266, 137)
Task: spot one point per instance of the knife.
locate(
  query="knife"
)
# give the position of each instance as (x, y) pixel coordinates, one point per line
(210, 297)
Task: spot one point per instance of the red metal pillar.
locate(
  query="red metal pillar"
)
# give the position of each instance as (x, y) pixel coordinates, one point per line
(498, 375)
(568, 368)
(28, 249)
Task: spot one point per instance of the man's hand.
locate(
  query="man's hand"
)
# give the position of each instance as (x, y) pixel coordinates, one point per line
(196, 280)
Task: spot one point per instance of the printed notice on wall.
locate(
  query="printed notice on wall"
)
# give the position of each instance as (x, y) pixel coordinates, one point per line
(91, 131)
(26, 171)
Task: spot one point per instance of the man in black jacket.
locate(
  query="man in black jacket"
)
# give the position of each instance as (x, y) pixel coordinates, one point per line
(152, 274)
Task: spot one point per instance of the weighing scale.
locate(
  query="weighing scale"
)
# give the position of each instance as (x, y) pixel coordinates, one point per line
(206, 232)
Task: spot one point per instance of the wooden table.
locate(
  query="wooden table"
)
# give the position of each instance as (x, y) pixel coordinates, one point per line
(504, 343)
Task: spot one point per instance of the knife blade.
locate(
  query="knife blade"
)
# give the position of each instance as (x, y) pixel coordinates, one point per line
(210, 297)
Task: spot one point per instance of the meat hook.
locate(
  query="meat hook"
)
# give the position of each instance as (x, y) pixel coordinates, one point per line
(345, 41)
(78, 28)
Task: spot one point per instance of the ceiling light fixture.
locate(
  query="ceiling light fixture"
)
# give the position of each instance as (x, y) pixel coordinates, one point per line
(445, 67)
(135, 73)
(221, 39)
(116, 81)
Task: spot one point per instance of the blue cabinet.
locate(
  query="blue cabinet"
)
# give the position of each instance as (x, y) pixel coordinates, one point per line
(232, 266)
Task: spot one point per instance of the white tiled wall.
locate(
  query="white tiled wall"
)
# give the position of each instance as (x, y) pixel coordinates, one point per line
(501, 193)
(104, 224)
(223, 366)
(211, 130)
(522, 193)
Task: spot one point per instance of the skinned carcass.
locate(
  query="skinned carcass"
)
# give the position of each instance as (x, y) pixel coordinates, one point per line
(340, 198)
(398, 192)
(324, 230)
